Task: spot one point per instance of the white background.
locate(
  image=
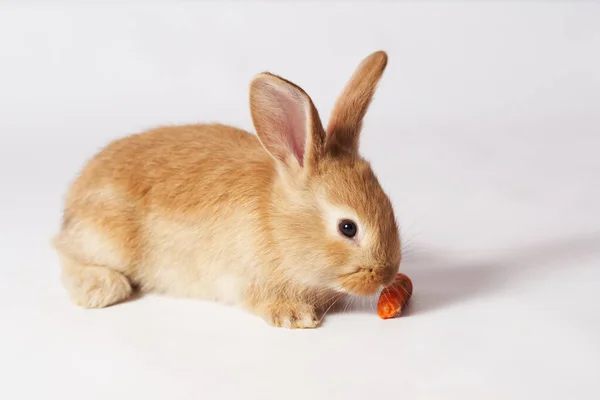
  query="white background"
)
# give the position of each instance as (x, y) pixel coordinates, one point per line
(485, 132)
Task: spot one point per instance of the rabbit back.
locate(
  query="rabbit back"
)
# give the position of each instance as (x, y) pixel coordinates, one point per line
(176, 210)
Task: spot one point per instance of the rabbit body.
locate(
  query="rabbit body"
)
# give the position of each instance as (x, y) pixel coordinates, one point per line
(217, 213)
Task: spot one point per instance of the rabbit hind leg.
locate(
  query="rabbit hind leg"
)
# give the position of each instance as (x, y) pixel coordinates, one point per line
(92, 266)
(92, 286)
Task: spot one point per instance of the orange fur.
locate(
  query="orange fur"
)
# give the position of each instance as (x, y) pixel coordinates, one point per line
(214, 212)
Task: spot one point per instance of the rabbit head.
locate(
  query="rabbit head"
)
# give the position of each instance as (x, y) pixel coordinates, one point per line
(333, 223)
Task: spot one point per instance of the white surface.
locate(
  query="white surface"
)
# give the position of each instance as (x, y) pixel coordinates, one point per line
(485, 132)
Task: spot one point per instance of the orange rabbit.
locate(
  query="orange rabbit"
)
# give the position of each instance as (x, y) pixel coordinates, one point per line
(278, 223)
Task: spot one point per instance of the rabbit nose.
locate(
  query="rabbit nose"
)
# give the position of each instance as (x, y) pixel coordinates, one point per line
(388, 275)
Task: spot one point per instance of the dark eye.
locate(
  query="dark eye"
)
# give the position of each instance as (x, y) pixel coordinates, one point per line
(348, 228)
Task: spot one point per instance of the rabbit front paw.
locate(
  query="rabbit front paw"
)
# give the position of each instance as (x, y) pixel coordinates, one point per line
(291, 315)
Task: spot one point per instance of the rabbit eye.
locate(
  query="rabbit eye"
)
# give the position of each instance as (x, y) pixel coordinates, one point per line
(348, 228)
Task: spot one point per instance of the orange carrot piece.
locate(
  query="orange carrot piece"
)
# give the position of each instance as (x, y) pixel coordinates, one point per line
(394, 297)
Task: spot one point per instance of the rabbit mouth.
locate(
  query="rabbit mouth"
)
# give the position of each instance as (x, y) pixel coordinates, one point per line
(365, 281)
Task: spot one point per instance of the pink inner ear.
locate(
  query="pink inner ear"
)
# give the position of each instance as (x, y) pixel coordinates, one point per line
(291, 124)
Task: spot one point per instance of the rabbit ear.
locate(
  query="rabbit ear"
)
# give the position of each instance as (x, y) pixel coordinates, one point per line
(286, 121)
(345, 122)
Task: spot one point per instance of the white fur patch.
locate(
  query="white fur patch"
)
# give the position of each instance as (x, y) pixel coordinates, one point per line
(95, 245)
(228, 289)
(333, 215)
(199, 258)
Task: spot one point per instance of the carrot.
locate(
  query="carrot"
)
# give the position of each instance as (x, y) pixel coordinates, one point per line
(394, 297)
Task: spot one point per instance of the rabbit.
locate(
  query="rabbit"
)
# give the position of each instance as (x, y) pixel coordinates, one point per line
(280, 224)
